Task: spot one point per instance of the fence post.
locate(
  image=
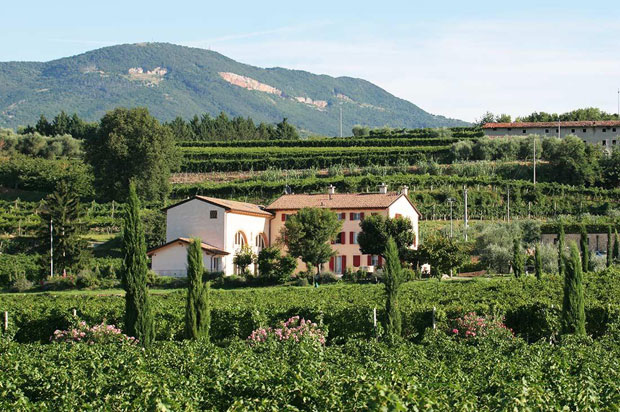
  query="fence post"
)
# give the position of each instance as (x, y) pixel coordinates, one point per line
(74, 313)
(6, 321)
(434, 324)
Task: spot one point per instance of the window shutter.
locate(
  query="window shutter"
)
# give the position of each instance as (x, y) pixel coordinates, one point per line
(351, 216)
(344, 263)
(331, 264)
(356, 260)
(343, 238)
(343, 216)
(380, 261)
(362, 216)
(351, 237)
(283, 217)
(398, 215)
(369, 260)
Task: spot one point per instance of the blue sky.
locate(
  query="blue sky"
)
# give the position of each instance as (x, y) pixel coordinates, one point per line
(458, 59)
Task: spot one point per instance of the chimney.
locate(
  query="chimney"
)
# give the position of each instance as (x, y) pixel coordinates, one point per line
(405, 190)
(330, 191)
(383, 188)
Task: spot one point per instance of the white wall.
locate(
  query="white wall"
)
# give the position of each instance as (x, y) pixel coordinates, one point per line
(172, 260)
(192, 219)
(251, 226)
(403, 207)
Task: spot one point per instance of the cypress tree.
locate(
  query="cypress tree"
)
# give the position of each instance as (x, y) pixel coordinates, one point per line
(609, 251)
(138, 313)
(538, 262)
(517, 258)
(197, 311)
(561, 249)
(585, 252)
(616, 252)
(393, 281)
(573, 312)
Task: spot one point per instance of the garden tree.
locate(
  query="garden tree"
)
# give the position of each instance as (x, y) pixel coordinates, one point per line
(610, 167)
(517, 258)
(377, 229)
(67, 214)
(273, 266)
(583, 244)
(573, 312)
(138, 313)
(574, 161)
(587, 113)
(197, 309)
(538, 264)
(360, 131)
(393, 279)
(609, 250)
(132, 145)
(494, 245)
(244, 258)
(442, 253)
(286, 131)
(561, 249)
(616, 249)
(308, 234)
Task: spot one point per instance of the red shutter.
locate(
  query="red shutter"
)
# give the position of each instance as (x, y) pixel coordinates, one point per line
(351, 237)
(369, 260)
(331, 264)
(362, 216)
(351, 217)
(398, 215)
(343, 216)
(344, 263)
(343, 238)
(283, 217)
(356, 260)
(380, 261)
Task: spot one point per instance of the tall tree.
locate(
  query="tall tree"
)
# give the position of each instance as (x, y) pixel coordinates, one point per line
(393, 279)
(573, 312)
(131, 145)
(538, 264)
(138, 313)
(517, 258)
(561, 249)
(307, 235)
(616, 252)
(377, 229)
(444, 254)
(609, 249)
(66, 213)
(197, 308)
(286, 131)
(585, 251)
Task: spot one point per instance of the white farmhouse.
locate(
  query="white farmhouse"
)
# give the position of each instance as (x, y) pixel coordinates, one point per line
(225, 226)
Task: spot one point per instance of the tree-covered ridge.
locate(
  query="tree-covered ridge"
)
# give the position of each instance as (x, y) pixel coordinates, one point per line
(184, 81)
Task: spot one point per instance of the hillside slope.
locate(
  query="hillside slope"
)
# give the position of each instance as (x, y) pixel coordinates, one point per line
(175, 81)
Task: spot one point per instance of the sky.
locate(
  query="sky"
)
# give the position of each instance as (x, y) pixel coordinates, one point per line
(454, 58)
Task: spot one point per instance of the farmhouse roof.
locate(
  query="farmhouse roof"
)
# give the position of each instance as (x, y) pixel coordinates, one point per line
(229, 205)
(210, 249)
(588, 123)
(337, 201)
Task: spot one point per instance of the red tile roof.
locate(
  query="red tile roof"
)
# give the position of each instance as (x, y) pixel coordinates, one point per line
(210, 249)
(336, 201)
(516, 125)
(229, 205)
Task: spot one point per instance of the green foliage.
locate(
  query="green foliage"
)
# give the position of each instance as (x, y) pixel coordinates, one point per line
(139, 321)
(36, 145)
(609, 250)
(444, 254)
(538, 263)
(393, 279)
(273, 266)
(616, 249)
(573, 312)
(307, 235)
(518, 261)
(18, 266)
(377, 229)
(197, 308)
(561, 248)
(132, 145)
(585, 251)
(588, 113)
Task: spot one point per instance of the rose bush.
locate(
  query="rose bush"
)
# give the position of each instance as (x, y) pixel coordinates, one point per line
(102, 333)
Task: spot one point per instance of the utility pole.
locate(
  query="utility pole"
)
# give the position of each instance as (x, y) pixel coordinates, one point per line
(51, 249)
(340, 119)
(618, 103)
(451, 202)
(534, 161)
(465, 200)
(508, 215)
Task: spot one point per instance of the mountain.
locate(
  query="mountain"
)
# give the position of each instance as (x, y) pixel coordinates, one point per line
(181, 81)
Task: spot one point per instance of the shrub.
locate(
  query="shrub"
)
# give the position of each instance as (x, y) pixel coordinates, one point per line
(21, 284)
(294, 329)
(473, 326)
(99, 334)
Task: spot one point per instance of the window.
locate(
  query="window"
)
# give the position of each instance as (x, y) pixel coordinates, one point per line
(353, 237)
(216, 264)
(342, 216)
(213, 214)
(604, 130)
(604, 142)
(356, 260)
(340, 263)
(572, 130)
(546, 130)
(613, 130)
(495, 128)
(240, 239)
(356, 216)
(260, 241)
(613, 142)
(510, 128)
(584, 130)
(374, 260)
(285, 217)
(524, 131)
(340, 240)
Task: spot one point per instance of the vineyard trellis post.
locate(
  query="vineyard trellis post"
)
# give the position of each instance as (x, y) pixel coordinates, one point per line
(6, 321)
